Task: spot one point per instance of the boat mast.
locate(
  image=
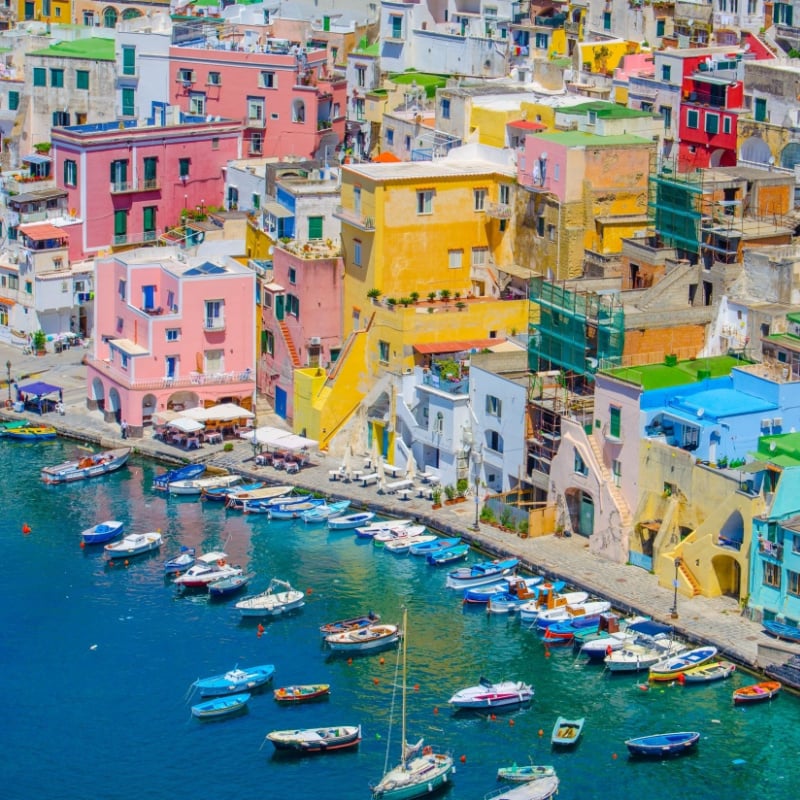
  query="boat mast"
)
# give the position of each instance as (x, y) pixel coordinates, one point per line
(403, 703)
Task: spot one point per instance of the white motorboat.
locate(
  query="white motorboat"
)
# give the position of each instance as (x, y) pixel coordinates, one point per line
(589, 608)
(390, 534)
(370, 637)
(643, 653)
(493, 695)
(368, 531)
(403, 544)
(196, 486)
(208, 568)
(549, 597)
(278, 598)
(134, 544)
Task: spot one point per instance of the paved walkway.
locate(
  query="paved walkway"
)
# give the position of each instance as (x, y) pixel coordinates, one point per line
(630, 589)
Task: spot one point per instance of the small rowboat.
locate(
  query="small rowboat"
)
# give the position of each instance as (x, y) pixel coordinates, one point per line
(448, 555)
(229, 585)
(566, 732)
(780, 630)
(756, 692)
(302, 693)
(234, 681)
(181, 562)
(523, 774)
(371, 637)
(706, 673)
(316, 740)
(538, 789)
(221, 706)
(341, 625)
(103, 532)
(350, 521)
(30, 433)
(671, 667)
(660, 745)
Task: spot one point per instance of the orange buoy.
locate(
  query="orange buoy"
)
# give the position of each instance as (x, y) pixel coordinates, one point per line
(259, 634)
(463, 759)
(126, 562)
(309, 591)
(26, 529)
(614, 756)
(110, 562)
(260, 628)
(381, 660)
(541, 732)
(492, 717)
(511, 723)
(435, 710)
(349, 662)
(681, 679)
(83, 544)
(547, 652)
(416, 687)
(376, 681)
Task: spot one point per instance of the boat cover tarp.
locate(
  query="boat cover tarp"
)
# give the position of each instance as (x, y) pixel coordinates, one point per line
(649, 628)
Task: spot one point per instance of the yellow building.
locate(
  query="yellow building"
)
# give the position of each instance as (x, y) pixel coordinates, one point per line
(424, 245)
(45, 10)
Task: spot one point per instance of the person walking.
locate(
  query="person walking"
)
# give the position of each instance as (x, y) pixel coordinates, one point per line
(124, 429)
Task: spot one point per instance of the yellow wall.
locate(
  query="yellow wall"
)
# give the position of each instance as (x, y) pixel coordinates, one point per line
(491, 124)
(604, 61)
(60, 11)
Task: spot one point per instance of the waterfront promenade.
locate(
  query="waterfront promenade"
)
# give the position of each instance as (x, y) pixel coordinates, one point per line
(630, 589)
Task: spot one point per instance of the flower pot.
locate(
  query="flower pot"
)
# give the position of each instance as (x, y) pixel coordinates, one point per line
(436, 505)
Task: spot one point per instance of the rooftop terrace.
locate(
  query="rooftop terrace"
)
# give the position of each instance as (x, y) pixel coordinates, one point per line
(665, 375)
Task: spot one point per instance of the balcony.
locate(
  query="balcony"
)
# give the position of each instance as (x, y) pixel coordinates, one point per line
(498, 210)
(350, 217)
(129, 187)
(770, 549)
(182, 382)
(214, 325)
(121, 239)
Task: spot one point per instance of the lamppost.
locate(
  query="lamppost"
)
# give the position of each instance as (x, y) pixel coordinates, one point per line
(8, 380)
(674, 610)
(477, 460)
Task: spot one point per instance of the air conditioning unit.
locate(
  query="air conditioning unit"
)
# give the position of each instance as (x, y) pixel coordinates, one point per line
(315, 340)
(766, 422)
(777, 422)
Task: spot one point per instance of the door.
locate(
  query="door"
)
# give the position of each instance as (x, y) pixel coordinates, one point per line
(280, 402)
(586, 515)
(172, 363)
(280, 300)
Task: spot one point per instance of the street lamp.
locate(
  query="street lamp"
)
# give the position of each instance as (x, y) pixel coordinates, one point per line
(674, 610)
(477, 460)
(8, 380)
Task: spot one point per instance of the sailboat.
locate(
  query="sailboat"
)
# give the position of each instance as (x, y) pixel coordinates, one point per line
(420, 771)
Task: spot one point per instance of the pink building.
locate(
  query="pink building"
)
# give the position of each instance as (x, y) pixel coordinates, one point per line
(172, 332)
(127, 183)
(283, 94)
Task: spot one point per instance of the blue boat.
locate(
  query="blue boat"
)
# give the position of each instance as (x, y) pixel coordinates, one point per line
(519, 587)
(325, 511)
(424, 548)
(662, 745)
(183, 561)
(103, 532)
(780, 630)
(293, 510)
(509, 600)
(221, 493)
(186, 473)
(235, 680)
(482, 573)
(448, 555)
(221, 706)
(229, 585)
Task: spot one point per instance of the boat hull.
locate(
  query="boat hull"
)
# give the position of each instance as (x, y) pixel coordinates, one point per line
(566, 732)
(135, 545)
(670, 668)
(316, 740)
(372, 637)
(221, 706)
(90, 467)
(756, 693)
(424, 775)
(103, 532)
(302, 694)
(235, 681)
(481, 574)
(663, 745)
(507, 694)
(350, 521)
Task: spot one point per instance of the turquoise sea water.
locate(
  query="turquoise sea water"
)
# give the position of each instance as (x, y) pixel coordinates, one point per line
(97, 661)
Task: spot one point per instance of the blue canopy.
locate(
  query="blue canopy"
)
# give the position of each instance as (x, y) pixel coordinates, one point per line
(33, 395)
(39, 389)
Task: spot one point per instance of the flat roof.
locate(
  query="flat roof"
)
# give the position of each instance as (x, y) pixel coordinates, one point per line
(457, 347)
(128, 347)
(581, 139)
(720, 403)
(607, 110)
(94, 49)
(662, 376)
(43, 231)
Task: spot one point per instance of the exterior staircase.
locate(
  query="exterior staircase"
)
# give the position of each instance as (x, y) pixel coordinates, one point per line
(625, 516)
(687, 575)
(287, 338)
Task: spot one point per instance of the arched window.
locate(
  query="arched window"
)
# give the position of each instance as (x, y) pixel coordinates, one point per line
(131, 13)
(110, 17)
(790, 155)
(298, 111)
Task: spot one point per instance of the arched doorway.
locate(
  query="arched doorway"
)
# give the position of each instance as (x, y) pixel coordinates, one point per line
(755, 149)
(179, 401)
(113, 409)
(580, 506)
(790, 155)
(97, 394)
(722, 158)
(149, 407)
(728, 572)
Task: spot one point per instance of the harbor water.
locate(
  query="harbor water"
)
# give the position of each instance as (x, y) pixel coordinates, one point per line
(98, 661)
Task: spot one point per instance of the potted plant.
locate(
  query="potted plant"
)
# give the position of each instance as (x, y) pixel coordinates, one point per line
(374, 294)
(461, 305)
(436, 496)
(444, 294)
(431, 296)
(462, 484)
(450, 493)
(39, 342)
(414, 296)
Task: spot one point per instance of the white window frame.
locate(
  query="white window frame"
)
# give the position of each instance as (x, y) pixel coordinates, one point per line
(479, 199)
(480, 256)
(425, 201)
(266, 79)
(214, 318)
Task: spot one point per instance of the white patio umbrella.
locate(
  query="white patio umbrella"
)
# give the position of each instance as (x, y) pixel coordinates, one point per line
(186, 424)
(198, 413)
(411, 467)
(165, 416)
(225, 412)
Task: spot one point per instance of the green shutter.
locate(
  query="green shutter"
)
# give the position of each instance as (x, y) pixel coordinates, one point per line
(128, 60)
(128, 102)
(82, 79)
(149, 218)
(315, 227)
(120, 223)
(39, 76)
(150, 165)
(13, 101)
(615, 422)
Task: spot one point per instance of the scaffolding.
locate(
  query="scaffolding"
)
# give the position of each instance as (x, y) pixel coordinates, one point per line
(675, 204)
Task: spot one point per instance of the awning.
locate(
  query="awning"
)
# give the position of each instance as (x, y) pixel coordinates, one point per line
(277, 437)
(754, 466)
(517, 270)
(128, 347)
(277, 210)
(4, 301)
(36, 158)
(527, 125)
(39, 389)
(274, 287)
(43, 232)
(457, 347)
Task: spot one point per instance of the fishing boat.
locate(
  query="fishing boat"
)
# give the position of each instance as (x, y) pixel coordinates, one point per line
(392, 534)
(438, 543)
(780, 630)
(181, 562)
(195, 486)
(11, 425)
(596, 649)
(566, 732)
(671, 667)
(221, 494)
(539, 789)
(708, 673)
(481, 573)
(224, 587)
(448, 555)
(525, 773)
(134, 544)
(235, 680)
(549, 596)
(30, 433)
(325, 511)
(87, 467)
(103, 532)
(373, 528)
(643, 653)
(221, 706)
(420, 770)
(248, 500)
(486, 694)
(358, 640)
(350, 521)
(284, 511)
(317, 740)
(278, 598)
(207, 568)
(303, 693)
(184, 473)
(756, 692)
(564, 631)
(403, 544)
(342, 625)
(518, 586)
(662, 745)
(590, 608)
(517, 596)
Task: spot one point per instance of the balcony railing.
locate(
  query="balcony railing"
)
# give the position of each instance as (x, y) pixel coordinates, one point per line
(178, 382)
(770, 549)
(214, 325)
(127, 187)
(349, 216)
(498, 210)
(135, 238)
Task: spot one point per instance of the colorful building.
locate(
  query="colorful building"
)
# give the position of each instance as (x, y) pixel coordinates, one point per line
(171, 333)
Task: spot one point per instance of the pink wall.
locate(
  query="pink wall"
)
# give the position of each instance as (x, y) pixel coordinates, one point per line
(208, 146)
(535, 146)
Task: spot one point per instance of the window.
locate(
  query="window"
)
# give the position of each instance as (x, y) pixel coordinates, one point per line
(293, 305)
(760, 109)
(455, 259)
(614, 422)
(551, 233)
(383, 352)
(13, 101)
(357, 252)
(541, 41)
(712, 123)
(692, 119)
(128, 60)
(425, 202)
(173, 334)
(616, 471)
(315, 227)
(479, 256)
(120, 227)
(390, 136)
(579, 465)
(397, 26)
(540, 226)
(149, 223)
(445, 108)
(479, 199)
(150, 170)
(28, 287)
(82, 79)
(494, 406)
(39, 76)
(255, 110)
(70, 172)
(197, 104)
(215, 315)
(266, 79)
(60, 119)
(494, 441)
(121, 289)
(357, 200)
(215, 141)
(666, 113)
(794, 583)
(119, 175)
(183, 167)
(292, 275)
(267, 343)
(359, 108)
(214, 79)
(505, 194)
(726, 124)
(185, 76)
(606, 20)
(128, 101)
(256, 143)
(407, 143)
(660, 27)
(772, 575)
(666, 71)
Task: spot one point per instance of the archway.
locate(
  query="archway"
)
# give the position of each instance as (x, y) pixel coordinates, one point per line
(149, 407)
(110, 17)
(722, 158)
(580, 508)
(97, 394)
(728, 573)
(179, 401)
(113, 409)
(731, 534)
(131, 13)
(298, 111)
(790, 155)
(755, 149)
